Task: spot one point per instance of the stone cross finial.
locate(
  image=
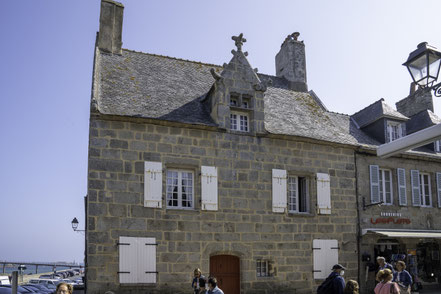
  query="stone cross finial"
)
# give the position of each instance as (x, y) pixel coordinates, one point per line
(238, 41)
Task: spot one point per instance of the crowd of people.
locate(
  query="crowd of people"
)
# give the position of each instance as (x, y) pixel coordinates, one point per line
(388, 280)
(397, 281)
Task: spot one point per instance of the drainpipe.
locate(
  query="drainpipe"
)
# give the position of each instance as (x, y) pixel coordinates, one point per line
(358, 217)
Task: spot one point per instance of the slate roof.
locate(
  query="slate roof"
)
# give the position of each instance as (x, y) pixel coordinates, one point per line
(422, 120)
(159, 87)
(375, 111)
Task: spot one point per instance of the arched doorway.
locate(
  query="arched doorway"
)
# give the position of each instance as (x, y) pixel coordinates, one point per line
(226, 269)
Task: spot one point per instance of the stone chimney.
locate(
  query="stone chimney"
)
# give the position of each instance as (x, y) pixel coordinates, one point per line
(291, 63)
(417, 101)
(111, 19)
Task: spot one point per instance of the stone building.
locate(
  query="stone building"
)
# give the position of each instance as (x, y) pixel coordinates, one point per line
(244, 175)
(399, 198)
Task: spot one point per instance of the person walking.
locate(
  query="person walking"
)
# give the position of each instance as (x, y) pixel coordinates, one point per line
(212, 286)
(403, 278)
(334, 283)
(351, 287)
(386, 286)
(199, 282)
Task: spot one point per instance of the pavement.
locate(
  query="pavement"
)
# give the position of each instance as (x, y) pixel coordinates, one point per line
(429, 289)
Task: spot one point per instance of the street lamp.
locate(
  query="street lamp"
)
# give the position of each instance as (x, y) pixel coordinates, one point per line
(75, 225)
(424, 65)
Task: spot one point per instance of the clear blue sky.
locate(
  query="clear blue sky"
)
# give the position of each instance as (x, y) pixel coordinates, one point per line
(354, 52)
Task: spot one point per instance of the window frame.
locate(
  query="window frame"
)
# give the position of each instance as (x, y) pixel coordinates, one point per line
(306, 189)
(437, 147)
(390, 125)
(237, 120)
(266, 264)
(180, 200)
(423, 192)
(382, 185)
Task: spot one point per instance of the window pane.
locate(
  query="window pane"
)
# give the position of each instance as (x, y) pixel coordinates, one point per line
(292, 194)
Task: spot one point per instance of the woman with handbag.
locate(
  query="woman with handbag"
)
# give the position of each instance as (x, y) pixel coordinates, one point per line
(386, 285)
(403, 278)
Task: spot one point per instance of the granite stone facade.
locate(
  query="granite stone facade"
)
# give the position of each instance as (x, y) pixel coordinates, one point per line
(244, 226)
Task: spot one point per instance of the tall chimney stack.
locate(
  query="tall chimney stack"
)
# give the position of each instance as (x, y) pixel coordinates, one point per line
(291, 63)
(111, 19)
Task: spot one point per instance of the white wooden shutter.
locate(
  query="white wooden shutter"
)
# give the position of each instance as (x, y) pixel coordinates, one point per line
(279, 190)
(438, 187)
(137, 260)
(374, 173)
(209, 188)
(323, 194)
(325, 255)
(127, 260)
(402, 197)
(415, 182)
(153, 184)
(147, 261)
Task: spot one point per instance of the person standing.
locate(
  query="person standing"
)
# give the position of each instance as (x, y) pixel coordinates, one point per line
(212, 286)
(199, 282)
(334, 283)
(402, 278)
(351, 287)
(382, 264)
(386, 286)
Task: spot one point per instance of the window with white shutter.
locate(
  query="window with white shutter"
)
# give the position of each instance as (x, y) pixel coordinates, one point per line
(325, 255)
(298, 194)
(374, 173)
(415, 182)
(153, 184)
(323, 194)
(209, 188)
(425, 190)
(137, 260)
(402, 197)
(438, 187)
(279, 190)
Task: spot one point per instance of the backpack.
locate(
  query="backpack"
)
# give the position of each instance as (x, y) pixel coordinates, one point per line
(326, 287)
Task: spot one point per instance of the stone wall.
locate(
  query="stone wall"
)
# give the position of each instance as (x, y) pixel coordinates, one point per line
(244, 225)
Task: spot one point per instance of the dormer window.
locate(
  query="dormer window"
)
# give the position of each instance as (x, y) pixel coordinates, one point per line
(245, 103)
(239, 121)
(233, 102)
(394, 131)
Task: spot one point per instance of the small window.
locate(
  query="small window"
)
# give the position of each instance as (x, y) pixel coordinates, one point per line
(298, 198)
(386, 186)
(233, 102)
(425, 192)
(394, 131)
(245, 103)
(239, 121)
(180, 189)
(264, 268)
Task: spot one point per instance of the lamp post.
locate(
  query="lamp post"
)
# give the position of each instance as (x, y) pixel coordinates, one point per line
(424, 65)
(75, 225)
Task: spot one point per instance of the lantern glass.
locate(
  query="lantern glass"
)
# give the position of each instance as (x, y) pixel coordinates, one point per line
(418, 70)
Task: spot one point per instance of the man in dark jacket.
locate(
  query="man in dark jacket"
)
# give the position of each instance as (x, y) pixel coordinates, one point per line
(335, 279)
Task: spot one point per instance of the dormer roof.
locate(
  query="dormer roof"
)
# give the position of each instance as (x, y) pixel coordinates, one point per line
(376, 111)
(422, 120)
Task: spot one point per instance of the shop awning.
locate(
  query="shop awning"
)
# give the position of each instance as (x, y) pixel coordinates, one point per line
(405, 233)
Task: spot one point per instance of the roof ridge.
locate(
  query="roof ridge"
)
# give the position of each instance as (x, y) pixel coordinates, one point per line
(174, 58)
(381, 99)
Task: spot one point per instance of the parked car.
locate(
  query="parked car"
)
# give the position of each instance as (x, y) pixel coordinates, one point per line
(45, 281)
(4, 280)
(6, 289)
(40, 288)
(79, 284)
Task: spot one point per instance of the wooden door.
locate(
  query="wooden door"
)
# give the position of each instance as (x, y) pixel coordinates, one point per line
(226, 269)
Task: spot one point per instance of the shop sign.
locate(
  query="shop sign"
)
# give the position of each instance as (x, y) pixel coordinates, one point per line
(390, 218)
